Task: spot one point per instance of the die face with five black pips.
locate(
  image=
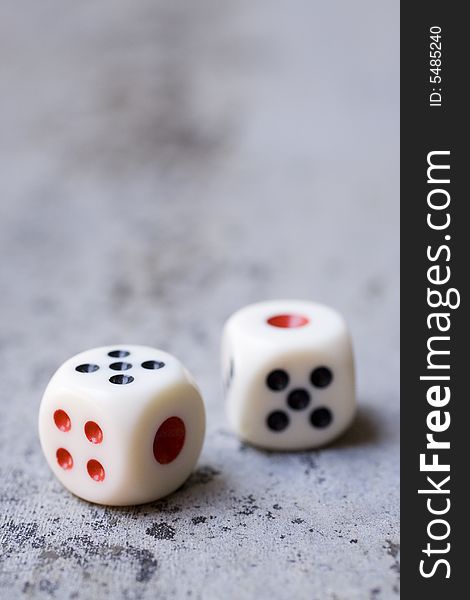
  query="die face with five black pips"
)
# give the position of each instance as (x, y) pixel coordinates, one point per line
(288, 374)
(122, 424)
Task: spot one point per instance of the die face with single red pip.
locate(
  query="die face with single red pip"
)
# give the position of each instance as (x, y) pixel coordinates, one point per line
(122, 424)
(288, 374)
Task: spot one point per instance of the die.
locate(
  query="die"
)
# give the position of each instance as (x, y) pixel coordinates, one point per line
(122, 425)
(288, 373)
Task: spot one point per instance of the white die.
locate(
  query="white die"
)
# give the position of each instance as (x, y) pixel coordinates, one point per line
(288, 374)
(122, 424)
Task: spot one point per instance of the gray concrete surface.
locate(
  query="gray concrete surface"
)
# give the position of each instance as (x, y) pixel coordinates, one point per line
(163, 164)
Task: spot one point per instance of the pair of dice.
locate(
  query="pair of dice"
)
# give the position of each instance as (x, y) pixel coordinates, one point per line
(124, 424)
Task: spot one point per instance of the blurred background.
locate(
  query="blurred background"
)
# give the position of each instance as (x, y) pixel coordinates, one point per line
(163, 164)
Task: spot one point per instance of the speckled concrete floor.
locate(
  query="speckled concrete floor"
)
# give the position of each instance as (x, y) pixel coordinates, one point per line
(163, 164)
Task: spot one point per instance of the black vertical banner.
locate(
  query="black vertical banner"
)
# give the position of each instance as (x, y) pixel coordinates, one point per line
(435, 251)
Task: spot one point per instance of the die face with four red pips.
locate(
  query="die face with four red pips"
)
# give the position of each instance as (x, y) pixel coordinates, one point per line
(122, 424)
(288, 374)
